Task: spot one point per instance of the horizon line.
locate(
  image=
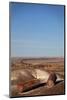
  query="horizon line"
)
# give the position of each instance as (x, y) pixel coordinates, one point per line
(37, 57)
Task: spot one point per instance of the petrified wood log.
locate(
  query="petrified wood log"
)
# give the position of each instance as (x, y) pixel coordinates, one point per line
(51, 80)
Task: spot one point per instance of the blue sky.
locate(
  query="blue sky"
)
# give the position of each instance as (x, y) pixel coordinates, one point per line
(37, 30)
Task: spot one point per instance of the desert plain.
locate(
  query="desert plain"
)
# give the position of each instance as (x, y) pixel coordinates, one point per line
(28, 76)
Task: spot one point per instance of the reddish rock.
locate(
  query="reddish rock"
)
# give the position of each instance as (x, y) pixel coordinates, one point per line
(51, 80)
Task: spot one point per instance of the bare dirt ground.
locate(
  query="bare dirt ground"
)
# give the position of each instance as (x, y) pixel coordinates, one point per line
(28, 77)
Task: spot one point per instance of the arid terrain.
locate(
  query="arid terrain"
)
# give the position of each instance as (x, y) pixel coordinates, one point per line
(28, 76)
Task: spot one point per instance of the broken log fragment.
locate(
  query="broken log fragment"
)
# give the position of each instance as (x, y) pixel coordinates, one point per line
(22, 87)
(51, 80)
